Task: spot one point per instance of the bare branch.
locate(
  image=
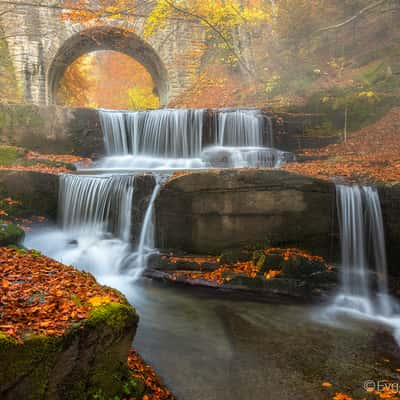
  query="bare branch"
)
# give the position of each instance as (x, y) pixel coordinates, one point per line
(354, 17)
(214, 29)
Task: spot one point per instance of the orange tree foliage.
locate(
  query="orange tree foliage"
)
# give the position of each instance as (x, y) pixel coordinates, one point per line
(44, 297)
(76, 84)
(108, 79)
(281, 48)
(372, 154)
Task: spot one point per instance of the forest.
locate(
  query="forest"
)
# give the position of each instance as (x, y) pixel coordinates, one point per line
(199, 199)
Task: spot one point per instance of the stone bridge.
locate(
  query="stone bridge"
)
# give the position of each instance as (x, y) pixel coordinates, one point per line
(42, 46)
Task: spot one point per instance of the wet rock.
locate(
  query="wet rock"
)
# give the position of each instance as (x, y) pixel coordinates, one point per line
(275, 272)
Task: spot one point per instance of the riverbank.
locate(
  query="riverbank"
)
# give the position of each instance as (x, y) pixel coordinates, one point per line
(78, 331)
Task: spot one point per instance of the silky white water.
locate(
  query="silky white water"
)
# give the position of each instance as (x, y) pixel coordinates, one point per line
(173, 139)
(364, 281)
(96, 210)
(95, 227)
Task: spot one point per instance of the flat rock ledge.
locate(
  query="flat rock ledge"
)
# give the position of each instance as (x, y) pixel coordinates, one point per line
(272, 276)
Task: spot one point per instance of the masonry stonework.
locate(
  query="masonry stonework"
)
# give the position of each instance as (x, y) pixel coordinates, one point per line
(42, 46)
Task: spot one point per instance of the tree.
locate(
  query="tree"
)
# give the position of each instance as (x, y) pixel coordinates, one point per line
(228, 23)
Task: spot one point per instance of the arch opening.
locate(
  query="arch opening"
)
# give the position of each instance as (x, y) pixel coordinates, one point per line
(100, 40)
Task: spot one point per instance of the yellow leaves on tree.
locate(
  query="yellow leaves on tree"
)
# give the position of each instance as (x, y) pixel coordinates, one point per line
(141, 98)
(76, 83)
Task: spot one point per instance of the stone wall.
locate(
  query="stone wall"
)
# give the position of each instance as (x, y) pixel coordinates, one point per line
(52, 129)
(206, 212)
(42, 44)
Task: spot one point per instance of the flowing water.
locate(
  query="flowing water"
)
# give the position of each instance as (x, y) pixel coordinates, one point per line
(172, 139)
(203, 345)
(364, 280)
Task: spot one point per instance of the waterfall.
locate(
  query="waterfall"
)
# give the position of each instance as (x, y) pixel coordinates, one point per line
(240, 128)
(170, 139)
(114, 131)
(364, 286)
(162, 133)
(147, 234)
(95, 219)
(97, 204)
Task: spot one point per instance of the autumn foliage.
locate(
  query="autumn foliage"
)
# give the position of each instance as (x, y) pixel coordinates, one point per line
(40, 296)
(154, 388)
(371, 154)
(266, 264)
(107, 79)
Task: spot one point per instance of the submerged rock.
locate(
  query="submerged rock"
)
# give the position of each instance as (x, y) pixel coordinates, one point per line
(262, 273)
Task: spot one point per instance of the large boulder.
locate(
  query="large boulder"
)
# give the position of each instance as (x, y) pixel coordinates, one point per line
(209, 211)
(89, 359)
(62, 335)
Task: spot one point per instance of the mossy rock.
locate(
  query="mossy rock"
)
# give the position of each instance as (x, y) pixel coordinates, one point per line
(10, 234)
(292, 265)
(232, 256)
(91, 358)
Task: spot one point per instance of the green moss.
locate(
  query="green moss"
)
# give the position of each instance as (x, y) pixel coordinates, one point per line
(9, 155)
(10, 234)
(232, 256)
(115, 315)
(33, 360)
(6, 341)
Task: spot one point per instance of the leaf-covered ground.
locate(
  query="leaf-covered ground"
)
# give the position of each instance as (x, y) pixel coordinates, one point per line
(41, 296)
(371, 154)
(155, 389)
(15, 158)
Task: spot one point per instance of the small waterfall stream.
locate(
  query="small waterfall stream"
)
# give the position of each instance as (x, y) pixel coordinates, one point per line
(364, 281)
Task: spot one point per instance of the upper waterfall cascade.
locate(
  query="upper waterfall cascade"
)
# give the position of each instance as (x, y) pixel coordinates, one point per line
(188, 139)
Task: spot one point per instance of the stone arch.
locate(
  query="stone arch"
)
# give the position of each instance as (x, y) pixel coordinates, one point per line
(107, 38)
